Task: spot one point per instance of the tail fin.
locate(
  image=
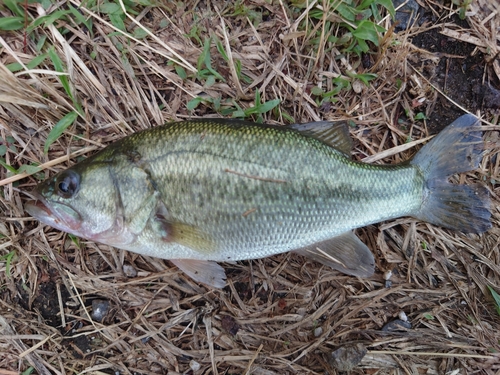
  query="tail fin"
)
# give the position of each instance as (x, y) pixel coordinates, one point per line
(458, 148)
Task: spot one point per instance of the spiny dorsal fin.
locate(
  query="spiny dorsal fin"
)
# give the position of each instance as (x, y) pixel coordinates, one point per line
(334, 134)
(344, 253)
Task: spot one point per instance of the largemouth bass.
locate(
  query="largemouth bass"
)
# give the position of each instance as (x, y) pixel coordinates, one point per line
(201, 191)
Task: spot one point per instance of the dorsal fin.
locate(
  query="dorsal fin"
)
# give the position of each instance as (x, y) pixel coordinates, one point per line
(334, 134)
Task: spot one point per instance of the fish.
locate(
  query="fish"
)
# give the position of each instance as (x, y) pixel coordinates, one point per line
(204, 191)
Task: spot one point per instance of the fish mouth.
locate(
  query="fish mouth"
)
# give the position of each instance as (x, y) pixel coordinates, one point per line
(55, 214)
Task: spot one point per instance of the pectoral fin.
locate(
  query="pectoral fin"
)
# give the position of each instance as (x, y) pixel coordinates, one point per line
(171, 230)
(203, 271)
(344, 253)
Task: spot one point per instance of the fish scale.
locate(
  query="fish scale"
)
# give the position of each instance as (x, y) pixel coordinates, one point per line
(213, 190)
(293, 206)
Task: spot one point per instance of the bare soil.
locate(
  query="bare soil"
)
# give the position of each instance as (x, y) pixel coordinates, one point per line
(462, 73)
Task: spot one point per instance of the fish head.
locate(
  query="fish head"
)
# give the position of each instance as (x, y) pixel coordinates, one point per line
(81, 200)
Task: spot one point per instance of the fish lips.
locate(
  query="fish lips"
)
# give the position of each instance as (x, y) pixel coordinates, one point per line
(56, 214)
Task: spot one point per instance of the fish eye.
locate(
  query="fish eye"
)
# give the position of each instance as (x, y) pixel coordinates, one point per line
(67, 184)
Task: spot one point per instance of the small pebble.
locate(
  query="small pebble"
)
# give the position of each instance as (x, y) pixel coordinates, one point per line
(265, 286)
(406, 14)
(402, 316)
(387, 276)
(195, 366)
(318, 331)
(357, 86)
(302, 311)
(100, 309)
(230, 325)
(347, 357)
(396, 325)
(129, 271)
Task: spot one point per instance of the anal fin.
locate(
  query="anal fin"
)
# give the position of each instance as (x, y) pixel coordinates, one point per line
(203, 271)
(345, 253)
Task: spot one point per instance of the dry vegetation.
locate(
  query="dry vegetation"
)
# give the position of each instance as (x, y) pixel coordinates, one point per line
(281, 315)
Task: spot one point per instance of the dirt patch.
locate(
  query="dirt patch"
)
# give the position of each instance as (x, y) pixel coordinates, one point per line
(46, 302)
(461, 72)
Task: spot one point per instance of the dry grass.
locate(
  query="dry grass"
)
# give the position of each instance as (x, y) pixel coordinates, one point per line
(278, 315)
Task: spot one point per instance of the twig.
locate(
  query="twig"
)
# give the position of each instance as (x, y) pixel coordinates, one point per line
(432, 354)
(247, 370)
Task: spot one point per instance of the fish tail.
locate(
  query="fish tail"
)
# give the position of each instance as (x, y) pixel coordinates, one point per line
(458, 148)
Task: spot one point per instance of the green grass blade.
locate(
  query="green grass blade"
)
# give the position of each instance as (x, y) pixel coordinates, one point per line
(14, 7)
(181, 72)
(15, 67)
(80, 18)
(388, 4)
(346, 11)
(11, 23)
(8, 261)
(367, 30)
(193, 103)
(117, 21)
(110, 8)
(48, 19)
(267, 106)
(496, 297)
(59, 67)
(59, 128)
(222, 51)
(7, 166)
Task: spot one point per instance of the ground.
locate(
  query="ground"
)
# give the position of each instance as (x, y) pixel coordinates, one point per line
(460, 73)
(71, 306)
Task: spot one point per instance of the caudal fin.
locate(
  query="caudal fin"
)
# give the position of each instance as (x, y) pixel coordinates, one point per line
(458, 148)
